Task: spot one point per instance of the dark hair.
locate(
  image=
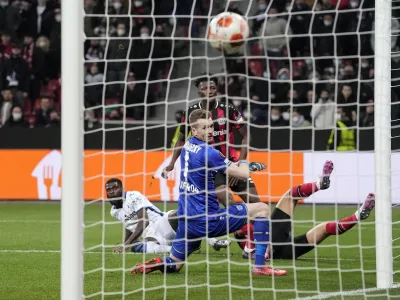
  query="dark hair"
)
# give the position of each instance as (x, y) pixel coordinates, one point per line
(206, 78)
(197, 115)
(112, 180)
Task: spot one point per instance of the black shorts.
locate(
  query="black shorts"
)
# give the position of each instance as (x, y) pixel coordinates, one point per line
(241, 186)
(285, 246)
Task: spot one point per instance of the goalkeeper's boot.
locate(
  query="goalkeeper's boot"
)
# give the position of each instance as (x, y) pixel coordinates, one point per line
(221, 244)
(324, 180)
(149, 266)
(268, 271)
(367, 207)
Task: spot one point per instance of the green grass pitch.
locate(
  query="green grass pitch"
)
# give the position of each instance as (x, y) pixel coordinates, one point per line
(30, 262)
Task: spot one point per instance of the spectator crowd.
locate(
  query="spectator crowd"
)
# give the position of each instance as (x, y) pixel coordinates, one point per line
(308, 64)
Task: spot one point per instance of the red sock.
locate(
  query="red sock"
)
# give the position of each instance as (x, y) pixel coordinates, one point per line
(304, 190)
(335, 228)
(248, 231)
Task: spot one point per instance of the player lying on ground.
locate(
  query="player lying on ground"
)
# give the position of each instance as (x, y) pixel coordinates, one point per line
(199, 206)
(283, 245)
(143, 219)
(226, 120)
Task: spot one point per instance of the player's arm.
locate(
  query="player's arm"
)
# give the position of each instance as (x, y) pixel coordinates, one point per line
(218, 162)
(239, 124)
(245, 142)
(128, 233)
(180, 142)
(177, 148)
(140, 226)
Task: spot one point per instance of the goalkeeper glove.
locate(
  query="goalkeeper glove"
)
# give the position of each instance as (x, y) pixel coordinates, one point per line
(257, 166)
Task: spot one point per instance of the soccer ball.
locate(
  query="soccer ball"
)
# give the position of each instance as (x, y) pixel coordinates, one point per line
(227, 32)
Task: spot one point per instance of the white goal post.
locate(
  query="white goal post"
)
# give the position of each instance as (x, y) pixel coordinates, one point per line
(72, 151)
(72, 246)
(383, 184)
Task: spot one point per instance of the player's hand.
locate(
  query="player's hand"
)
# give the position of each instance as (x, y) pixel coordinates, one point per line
(118, 250)
(257, 166)
(233, 181)
(166, 170)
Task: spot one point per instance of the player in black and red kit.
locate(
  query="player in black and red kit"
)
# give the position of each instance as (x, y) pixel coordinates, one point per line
(227, 119)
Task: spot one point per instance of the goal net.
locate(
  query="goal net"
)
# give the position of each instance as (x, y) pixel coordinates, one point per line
(304, 83)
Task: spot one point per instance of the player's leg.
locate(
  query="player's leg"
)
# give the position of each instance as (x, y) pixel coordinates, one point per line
(289, 200)
(247, 191)
(259, 213)
(150, 246)
(221, 190)
(281, 217)
(187, 240)
(306, 242)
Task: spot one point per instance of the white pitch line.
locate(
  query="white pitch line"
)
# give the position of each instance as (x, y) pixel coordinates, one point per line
(345, 293)
(109, 252)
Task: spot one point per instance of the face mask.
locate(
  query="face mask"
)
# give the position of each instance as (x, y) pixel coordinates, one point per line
(309, 61)
(295, 120)
(58, 18)
(353, 4)
(3, 4)
(288, 8)
(246, 114)
(17, 116)
(283, 77)
(364, 65)
(324, 99)
(117, 5)
(327, 23)
(144, 35)
(338, 116)
(103, 43)
(138, 3)
(262, 7)
(286, 115)
(237, 103)
(274, 117)
(121, 32)
(171, 21)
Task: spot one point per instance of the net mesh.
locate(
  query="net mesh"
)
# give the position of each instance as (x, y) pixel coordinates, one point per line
(306, 65)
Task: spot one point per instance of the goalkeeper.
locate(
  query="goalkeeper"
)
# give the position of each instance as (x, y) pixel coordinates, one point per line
(198, 206)
(143, 219)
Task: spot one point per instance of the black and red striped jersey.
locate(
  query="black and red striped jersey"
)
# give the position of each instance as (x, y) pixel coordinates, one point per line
(225, 118)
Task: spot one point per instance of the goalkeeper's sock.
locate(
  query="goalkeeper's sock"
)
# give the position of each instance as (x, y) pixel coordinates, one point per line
(261, 237)
(169, 265)
(341, 226)
(304, 190)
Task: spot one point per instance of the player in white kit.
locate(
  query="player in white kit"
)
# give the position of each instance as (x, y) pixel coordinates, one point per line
(143, 219)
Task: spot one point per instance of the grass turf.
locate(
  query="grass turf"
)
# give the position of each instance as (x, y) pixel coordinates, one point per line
(30, 262)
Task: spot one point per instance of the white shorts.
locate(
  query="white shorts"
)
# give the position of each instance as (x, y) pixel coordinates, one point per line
(161, 231)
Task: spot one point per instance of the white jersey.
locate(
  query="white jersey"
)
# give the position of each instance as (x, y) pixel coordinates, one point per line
(133, 203)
